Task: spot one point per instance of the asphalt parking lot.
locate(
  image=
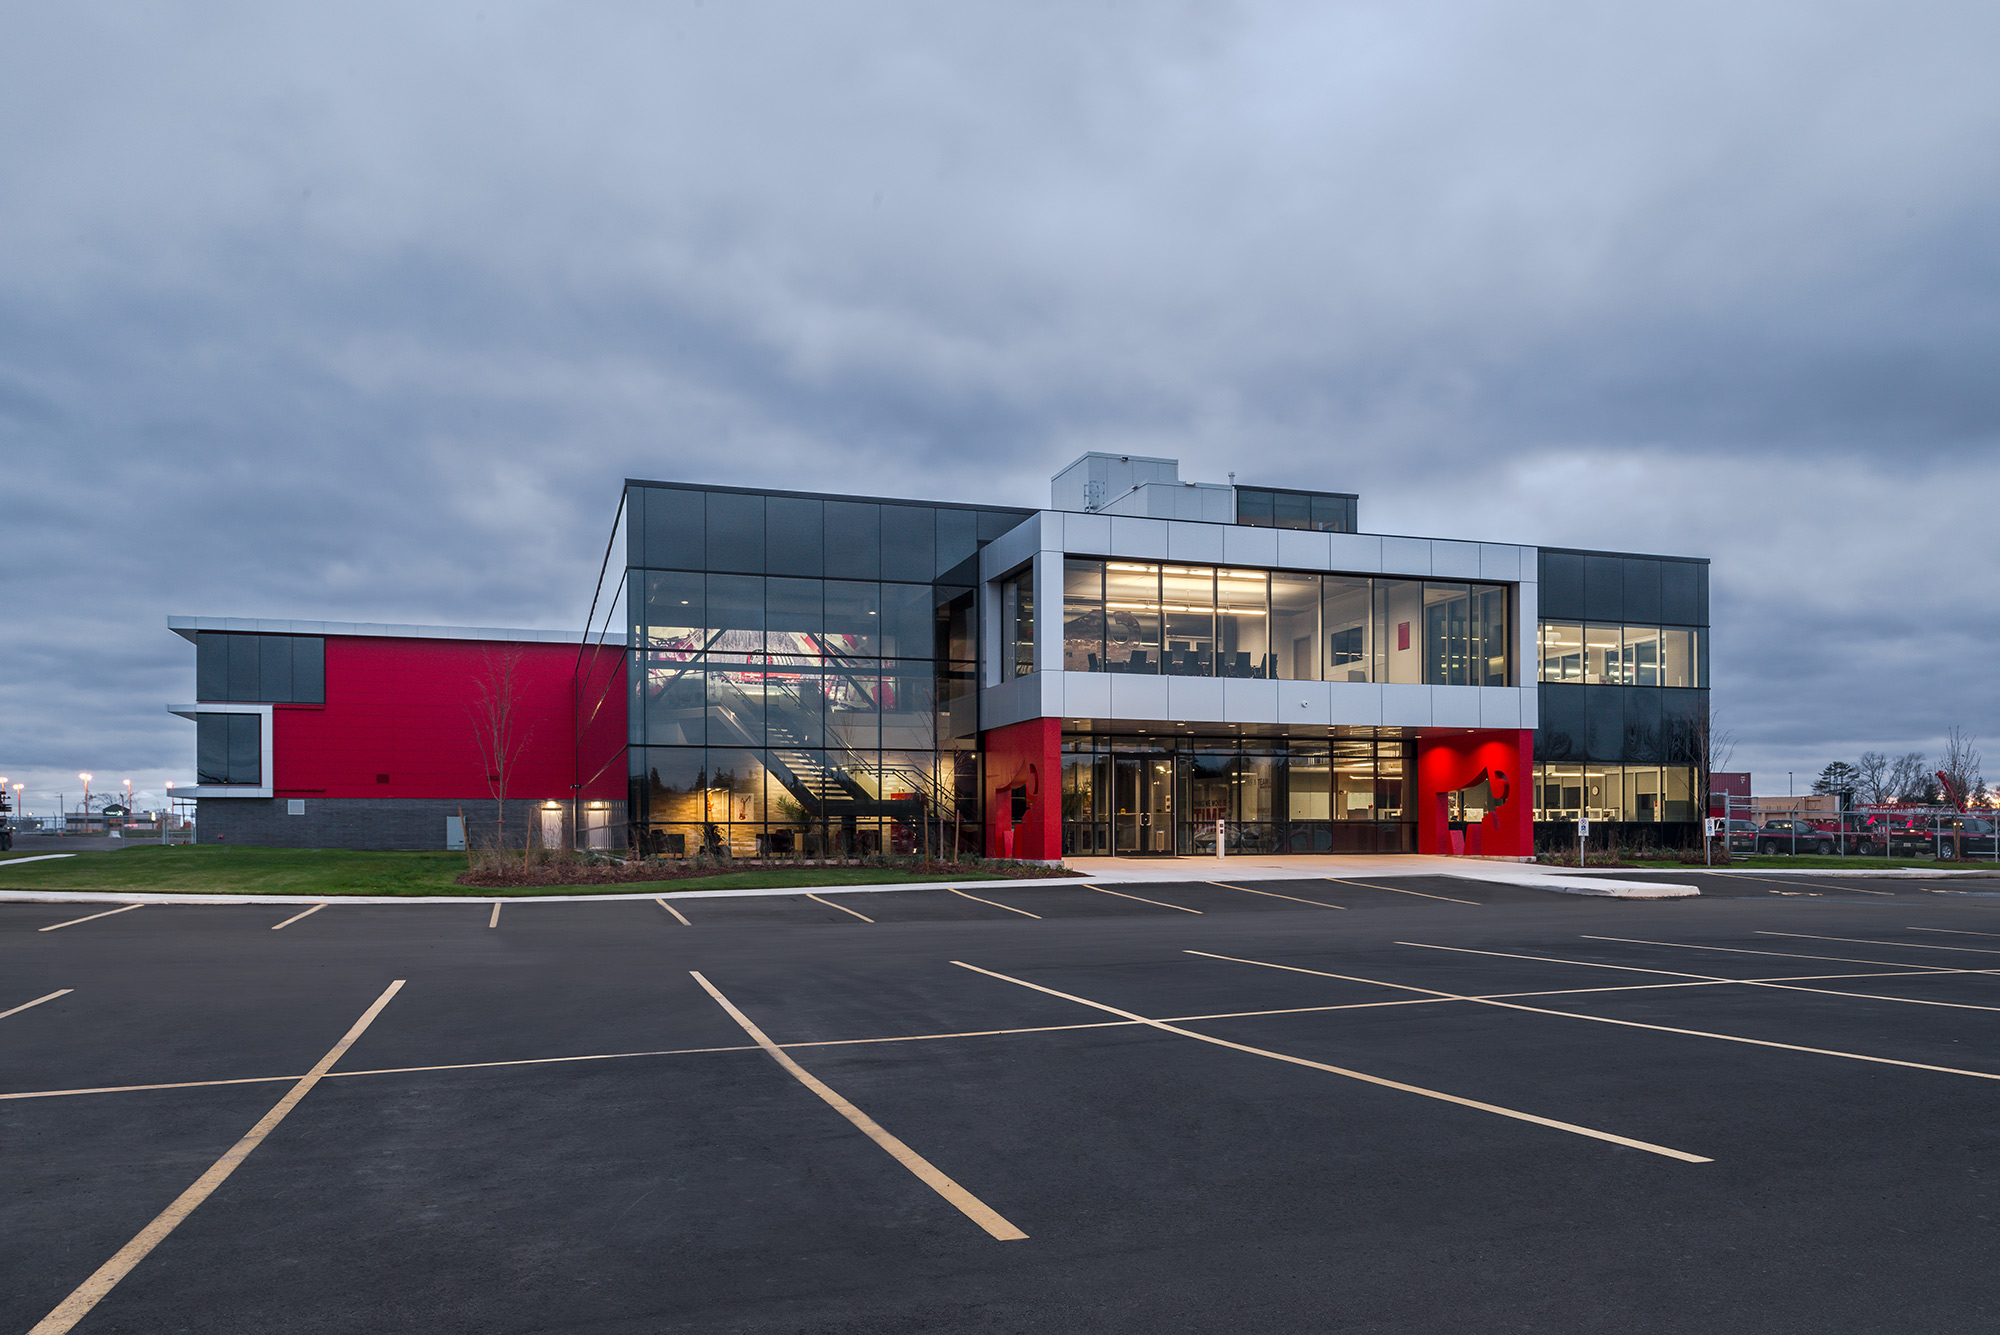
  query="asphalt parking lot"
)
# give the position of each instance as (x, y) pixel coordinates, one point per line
(1431, 1104)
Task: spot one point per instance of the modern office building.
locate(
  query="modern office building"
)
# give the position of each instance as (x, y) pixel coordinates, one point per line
(1143, 668)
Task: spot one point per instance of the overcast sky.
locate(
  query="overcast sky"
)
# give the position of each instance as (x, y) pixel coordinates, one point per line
(361, 312)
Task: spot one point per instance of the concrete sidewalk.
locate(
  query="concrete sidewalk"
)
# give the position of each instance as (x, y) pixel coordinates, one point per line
(1361, 866)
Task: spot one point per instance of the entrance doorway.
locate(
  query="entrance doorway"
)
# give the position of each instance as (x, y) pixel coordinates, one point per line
(1143, 802)
(552, 823)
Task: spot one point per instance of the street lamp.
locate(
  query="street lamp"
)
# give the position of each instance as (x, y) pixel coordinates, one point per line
(168, 814)
(86, 800)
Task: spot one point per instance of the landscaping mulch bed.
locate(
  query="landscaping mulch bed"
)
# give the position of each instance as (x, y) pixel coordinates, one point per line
(625, 873)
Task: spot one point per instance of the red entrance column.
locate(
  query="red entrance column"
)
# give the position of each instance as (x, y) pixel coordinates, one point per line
(1451, 761)
(1024, 766)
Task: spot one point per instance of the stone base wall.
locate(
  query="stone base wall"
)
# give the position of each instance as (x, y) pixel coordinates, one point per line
(364, 822)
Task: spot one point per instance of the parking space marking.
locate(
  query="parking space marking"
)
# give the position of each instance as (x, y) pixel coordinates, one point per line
(676, 912)
(1635, 1024)
(1362, 1076)
(1009, 907)
(1316, 903)
(94, 1290)
(1141, 898)
(296, 916)
(906, 1038)
(1863, 941)
(1772, 880)
(494, 921)
(56, 926)
(1393, 890)
(1904, 966)
(1951, 931)
(842, 907)
(61, 992)
(926, 1172)
(1789, 984)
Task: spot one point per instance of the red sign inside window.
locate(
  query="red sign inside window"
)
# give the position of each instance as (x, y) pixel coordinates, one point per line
(1402, 634)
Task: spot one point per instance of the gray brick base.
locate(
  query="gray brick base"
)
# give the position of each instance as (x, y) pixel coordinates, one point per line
(366, 822)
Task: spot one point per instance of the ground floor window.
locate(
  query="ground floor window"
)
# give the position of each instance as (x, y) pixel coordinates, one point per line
(796, 801)
(1138, 795)
(1645, 793)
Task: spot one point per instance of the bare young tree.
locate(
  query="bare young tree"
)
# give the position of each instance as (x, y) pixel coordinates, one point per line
(497, 727)
(1713, 746)
(1910, 779)
(1871, 788)
(1960, 765)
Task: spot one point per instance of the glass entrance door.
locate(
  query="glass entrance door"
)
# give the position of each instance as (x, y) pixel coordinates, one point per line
(1143, 802)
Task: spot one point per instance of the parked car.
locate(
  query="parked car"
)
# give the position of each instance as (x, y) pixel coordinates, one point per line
(1742, 836)
(1949, 838)
(1794, 836)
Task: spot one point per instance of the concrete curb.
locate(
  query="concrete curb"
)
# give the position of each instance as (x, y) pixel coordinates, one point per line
(171, 897)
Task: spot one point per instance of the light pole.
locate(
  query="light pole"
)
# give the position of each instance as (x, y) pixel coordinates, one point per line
(86, 801)
(168, 814)
(17, 799)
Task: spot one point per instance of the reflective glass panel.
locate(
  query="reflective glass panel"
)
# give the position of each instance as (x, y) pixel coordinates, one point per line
(673, 611)
(736, 614)
(1187, 597)
(1603, 657)
(908, 621)
(1641, 659)
(1131, 617)
(1399, 630)
(1562, 651)
(676, 703)
(1345, 622)
(1243, 623)
(1490, 635)
(1447, 629)
(1083, 615)
(1676, 657)
(853, 618)
(1309, 783)
(1295, 606)
(794, 619)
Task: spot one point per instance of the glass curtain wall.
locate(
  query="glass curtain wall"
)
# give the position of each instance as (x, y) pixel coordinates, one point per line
(803, 674)
(1594, 654)
(1218, 621)
(1134, 796)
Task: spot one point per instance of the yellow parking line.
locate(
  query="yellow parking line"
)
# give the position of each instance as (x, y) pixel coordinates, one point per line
(842, 907)
(1275, 895)
(54, 926)
(494, 921)
(1393, 890)
(296, 916)
(967, 1204)
(1141, 898)
(63, 992)
(1009, 907)
(1362, 1076)
(676, 912)
(93, 1290)
(1658, 1028)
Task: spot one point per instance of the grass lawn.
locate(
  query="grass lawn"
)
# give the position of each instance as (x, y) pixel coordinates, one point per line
(330, 873)
(1814, 862)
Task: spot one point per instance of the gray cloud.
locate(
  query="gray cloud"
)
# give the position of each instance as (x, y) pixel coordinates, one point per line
(363, 313)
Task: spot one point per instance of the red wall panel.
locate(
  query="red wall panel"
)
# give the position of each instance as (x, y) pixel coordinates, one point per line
(411, 709)
(1025, 755)
(1455, 760)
